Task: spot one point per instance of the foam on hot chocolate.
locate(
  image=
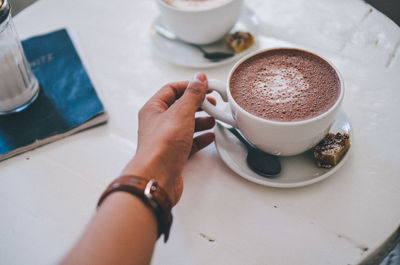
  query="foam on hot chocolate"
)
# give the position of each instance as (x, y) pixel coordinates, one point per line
(285, 85)
(196, 4)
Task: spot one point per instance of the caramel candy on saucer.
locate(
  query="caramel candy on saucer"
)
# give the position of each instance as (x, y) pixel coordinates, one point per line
(331, 149)
(240, 41)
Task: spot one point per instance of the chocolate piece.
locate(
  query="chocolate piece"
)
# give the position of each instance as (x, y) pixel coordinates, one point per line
(240, 41)
(331, 149)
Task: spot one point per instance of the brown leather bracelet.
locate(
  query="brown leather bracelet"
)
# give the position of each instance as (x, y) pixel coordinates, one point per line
(150, 193)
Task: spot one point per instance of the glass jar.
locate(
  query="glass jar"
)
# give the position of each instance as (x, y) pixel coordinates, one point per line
(18, 86)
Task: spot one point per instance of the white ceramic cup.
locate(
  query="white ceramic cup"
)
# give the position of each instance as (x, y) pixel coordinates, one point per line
(274, 137)
(201, 26)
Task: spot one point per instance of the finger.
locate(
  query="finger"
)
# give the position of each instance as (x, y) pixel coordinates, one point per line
(204, 123)
(211, 100)
(168, 94)
(194, 94)
(201, 141)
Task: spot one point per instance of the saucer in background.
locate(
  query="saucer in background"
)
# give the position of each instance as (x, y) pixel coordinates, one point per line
(182, 54)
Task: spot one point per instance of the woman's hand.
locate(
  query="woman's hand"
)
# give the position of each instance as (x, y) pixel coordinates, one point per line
(165, 137)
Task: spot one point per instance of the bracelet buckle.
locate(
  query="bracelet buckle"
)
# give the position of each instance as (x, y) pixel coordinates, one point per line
(151, 187)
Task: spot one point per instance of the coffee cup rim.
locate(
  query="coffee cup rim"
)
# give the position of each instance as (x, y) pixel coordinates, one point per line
(163, 3)
(288, 123)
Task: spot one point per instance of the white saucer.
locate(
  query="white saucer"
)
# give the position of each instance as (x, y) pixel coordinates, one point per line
(182, 54)
(297, 171)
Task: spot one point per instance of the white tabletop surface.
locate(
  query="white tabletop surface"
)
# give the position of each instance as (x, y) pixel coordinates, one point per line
(48, 195)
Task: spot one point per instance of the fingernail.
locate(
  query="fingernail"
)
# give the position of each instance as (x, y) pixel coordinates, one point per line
(199, 77)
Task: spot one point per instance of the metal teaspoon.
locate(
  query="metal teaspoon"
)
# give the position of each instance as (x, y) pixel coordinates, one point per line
(262, 163)
(212, 56)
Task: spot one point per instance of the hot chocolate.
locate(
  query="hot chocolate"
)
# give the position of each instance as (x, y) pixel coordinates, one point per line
(196, 5)
(285, 85)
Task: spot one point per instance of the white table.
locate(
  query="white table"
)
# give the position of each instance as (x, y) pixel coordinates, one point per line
(48, 195)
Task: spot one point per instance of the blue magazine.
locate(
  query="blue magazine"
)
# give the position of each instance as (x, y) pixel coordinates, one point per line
(67, 101)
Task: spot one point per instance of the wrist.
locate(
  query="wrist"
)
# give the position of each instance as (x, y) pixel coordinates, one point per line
(150, 193)
(152, 168)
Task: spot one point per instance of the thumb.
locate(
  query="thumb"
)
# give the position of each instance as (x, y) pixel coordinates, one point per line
(195, 93)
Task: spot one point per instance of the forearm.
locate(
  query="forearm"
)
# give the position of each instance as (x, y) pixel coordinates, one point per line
(123, 231)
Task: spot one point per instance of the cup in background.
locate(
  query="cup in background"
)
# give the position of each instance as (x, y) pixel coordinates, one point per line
(201, 26)
(283, 138)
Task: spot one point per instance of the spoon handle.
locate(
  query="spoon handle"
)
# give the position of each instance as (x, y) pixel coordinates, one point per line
(197, 47)
(241, 138)
(165, 33)
(236, 133)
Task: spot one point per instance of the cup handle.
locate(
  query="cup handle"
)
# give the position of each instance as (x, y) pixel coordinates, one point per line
(215, 112)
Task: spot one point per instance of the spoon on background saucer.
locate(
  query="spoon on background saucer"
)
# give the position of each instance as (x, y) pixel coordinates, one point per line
(262, 163)
(212, 56)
